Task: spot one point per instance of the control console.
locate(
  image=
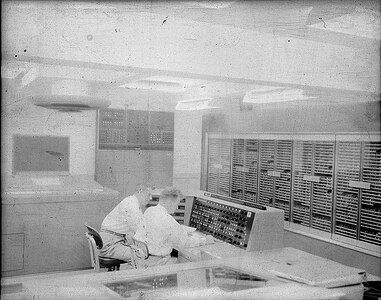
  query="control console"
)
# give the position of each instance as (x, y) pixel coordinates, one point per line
(224, 222)
(251, 228)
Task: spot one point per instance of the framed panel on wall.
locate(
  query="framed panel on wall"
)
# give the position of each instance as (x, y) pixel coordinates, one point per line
(127, 129)
(40, 154)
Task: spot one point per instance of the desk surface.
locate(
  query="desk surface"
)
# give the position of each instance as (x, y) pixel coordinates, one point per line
(281, 267)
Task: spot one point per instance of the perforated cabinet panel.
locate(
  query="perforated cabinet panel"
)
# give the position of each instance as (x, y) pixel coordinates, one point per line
(302, 189)
(370, 214)
(347, 197)
(219, 166)
(266, 164)
(283, 182)
(244, 169)
(322, 191)
(238, 169)
(251, 165)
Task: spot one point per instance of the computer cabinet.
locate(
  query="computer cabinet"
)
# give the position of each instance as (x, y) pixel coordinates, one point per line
(261, 172)
(327, 184)
(358, 189)
(313, 164)
(275, 174)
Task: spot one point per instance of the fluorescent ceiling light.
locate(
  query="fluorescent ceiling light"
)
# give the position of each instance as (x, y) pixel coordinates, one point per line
(362, 22)
(179, 80)
(274, 95)
(215, 4)
(12, 69)
(169, 87)
(162, 83)
(195, 104)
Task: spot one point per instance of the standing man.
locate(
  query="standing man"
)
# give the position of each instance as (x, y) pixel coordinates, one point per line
(161, 232)
(122, 223)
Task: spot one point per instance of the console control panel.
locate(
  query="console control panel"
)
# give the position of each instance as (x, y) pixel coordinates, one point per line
(223, 222)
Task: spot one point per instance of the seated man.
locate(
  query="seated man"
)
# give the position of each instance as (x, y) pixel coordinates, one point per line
(161, 232)
(122, 223)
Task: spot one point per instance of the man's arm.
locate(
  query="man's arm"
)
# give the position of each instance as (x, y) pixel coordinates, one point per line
(180, 236)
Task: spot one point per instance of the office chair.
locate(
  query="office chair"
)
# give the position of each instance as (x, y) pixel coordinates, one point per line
(97, 261)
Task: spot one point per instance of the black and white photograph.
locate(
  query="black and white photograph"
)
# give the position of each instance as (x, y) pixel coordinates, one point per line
(190, 150)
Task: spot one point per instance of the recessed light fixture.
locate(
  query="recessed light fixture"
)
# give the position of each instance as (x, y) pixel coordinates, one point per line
(195, 104)
(274, 94)
(161, 83)
(362, 22)
(215, 4)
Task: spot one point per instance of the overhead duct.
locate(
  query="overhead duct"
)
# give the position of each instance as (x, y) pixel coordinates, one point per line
(69, 96)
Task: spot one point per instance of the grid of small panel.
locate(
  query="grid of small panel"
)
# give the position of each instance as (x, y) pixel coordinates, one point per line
(370, 213)
(112, 127)
(137, 127)
(347, 197)
(302, 189)
(322, 192)
(283, 182)
(251, 164)
(219, 166)
(266, 165)
(161, 137)
(124, 129)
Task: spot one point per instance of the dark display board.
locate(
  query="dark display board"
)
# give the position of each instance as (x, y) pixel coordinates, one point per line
(33, 153)
(126, 129)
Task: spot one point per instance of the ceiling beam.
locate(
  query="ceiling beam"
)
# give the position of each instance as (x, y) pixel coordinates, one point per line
(148, 72)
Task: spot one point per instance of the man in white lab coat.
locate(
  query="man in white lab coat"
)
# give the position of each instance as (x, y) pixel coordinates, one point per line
(122, 222)
(161, 232)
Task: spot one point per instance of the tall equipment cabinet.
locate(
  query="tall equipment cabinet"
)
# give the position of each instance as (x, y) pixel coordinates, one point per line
(313, 169)
(328, 185)
(275, 173)
(358, 189)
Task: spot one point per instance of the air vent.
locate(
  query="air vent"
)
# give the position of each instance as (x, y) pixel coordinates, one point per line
(69, 96)
(69, 103)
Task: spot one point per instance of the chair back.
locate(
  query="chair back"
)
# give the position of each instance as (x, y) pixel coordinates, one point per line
(94, 251)
(95, 245)
(97, 237)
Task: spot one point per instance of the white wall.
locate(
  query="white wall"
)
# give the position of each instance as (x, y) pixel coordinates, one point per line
(19, 116)
(187, 150)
